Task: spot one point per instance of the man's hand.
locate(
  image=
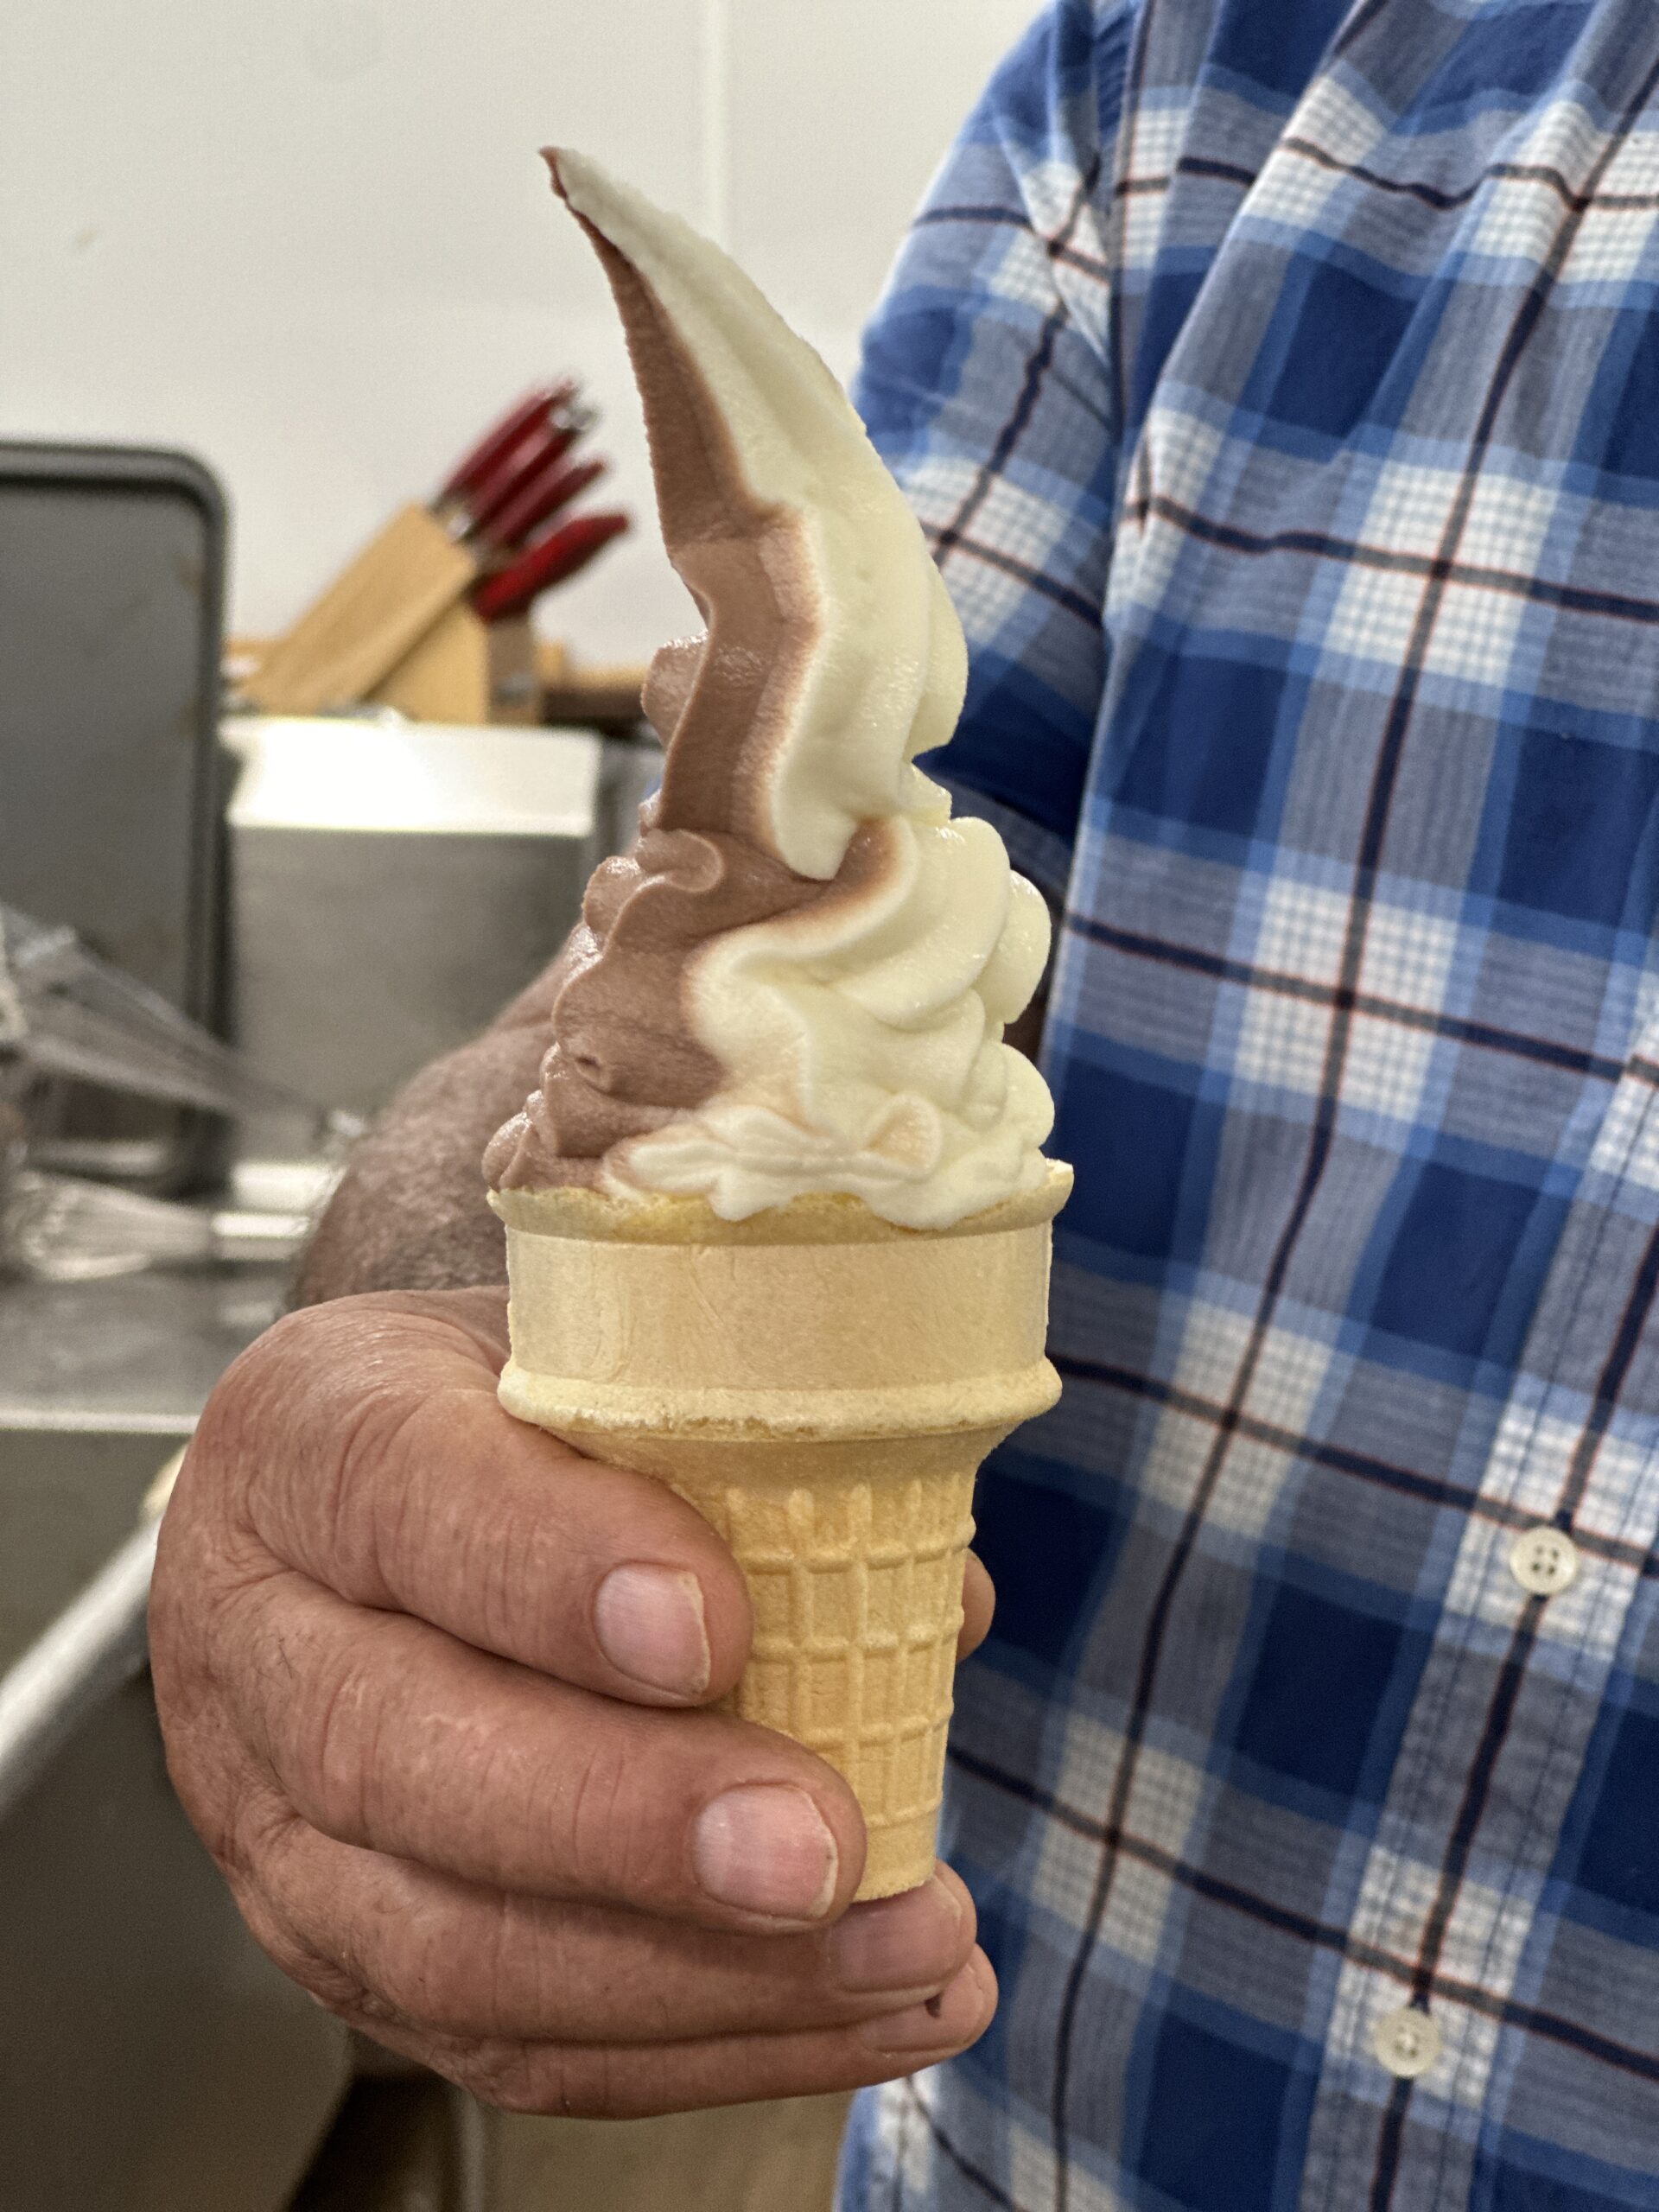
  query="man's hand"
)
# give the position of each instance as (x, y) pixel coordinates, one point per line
(431, 1684)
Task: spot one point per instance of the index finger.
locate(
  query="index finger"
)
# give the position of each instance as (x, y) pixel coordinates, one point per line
(361, 1443)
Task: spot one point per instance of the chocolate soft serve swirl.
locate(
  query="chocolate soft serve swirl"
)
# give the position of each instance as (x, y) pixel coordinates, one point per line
(797, 980)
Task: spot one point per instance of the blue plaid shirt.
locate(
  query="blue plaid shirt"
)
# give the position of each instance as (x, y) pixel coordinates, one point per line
(1279, 382)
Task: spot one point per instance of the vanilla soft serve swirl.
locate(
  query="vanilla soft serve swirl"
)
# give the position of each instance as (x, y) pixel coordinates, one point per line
(798, 979)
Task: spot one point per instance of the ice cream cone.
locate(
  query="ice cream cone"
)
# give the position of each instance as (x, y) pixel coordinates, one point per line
(822, 1386)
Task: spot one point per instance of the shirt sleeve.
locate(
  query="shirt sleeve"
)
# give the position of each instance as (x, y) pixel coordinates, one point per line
(986, 387)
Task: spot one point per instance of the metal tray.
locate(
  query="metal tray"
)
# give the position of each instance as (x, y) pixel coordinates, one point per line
(111, 785)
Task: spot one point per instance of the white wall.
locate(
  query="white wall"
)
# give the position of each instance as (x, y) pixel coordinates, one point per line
(310, 239)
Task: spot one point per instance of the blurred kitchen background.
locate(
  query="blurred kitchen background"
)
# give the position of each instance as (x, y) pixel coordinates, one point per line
(310, 240)
(269, 270)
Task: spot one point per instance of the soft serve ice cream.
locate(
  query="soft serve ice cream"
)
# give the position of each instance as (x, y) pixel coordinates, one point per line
(797, 981)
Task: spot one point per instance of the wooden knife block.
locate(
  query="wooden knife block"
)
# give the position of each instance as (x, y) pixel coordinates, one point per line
(373, 615)
(396, 629)
(465, 671)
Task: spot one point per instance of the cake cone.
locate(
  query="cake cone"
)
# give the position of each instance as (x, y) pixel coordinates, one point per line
(822, 1386)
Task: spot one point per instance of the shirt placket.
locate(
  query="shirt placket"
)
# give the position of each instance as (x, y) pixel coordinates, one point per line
(1550, 1557)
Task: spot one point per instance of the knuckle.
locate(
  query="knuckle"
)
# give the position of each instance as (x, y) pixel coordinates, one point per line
(609, 2084)
(334, 1989)
(600, 1821)
(219, 1811)
(208, 1799)
(415, 1973)
(267, 1831)
(298, 1922)
(373, 1430)
(299, 1422)
(519, 2077)
(327, 1979)
(521, 1950)
(576, 2080)
(226, 1798)
(324, 1523)
(324, 1744)
(407, 1516)
(176, 1637)
(255, 1392)
(370, 1503)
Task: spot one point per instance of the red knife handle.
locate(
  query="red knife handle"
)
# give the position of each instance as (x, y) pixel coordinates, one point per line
(498, 441)
(528, 461)
(549, 491)
(570, 547)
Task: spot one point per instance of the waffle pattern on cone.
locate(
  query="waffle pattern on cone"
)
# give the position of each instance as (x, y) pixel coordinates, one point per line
(821, 1386)
(856, 1586)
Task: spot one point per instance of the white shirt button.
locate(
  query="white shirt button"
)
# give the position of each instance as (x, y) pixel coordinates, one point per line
(1544, 1561)
(1407, 2042)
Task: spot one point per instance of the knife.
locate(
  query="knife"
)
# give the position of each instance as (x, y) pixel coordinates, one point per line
(553, 487)
(557, 558)
(424, 560)
(533, 457)
(480, 460)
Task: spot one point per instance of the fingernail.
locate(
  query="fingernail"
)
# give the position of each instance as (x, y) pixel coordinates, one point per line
(765, 1848)
(650, 1625)
(903, 1942)
(943, 2023)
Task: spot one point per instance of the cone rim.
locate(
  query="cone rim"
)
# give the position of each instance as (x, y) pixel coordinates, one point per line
(962, 1406)
(578, 1211)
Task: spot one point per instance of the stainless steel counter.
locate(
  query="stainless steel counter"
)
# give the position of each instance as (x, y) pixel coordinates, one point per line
(151, 2059)
(138, 1354)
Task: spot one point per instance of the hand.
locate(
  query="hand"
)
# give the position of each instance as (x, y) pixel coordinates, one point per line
(432, 1684)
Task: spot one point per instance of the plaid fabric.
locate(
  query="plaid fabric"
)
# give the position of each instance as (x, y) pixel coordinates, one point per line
(1279, 384)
